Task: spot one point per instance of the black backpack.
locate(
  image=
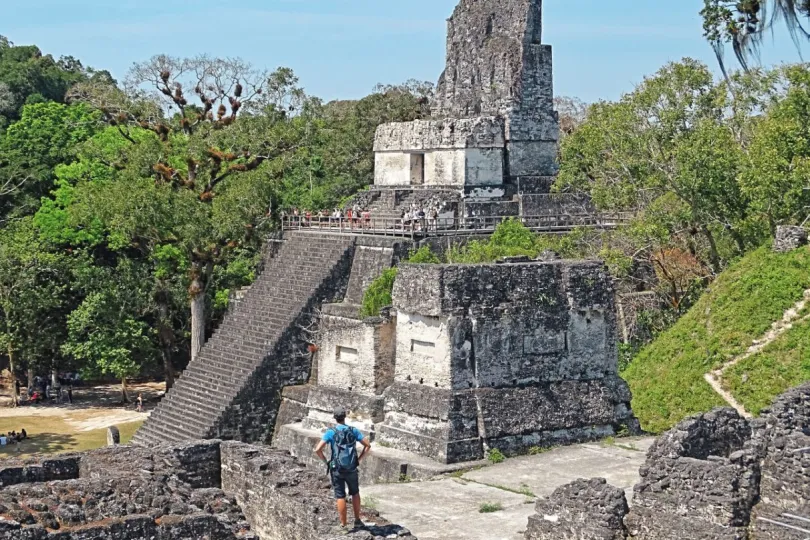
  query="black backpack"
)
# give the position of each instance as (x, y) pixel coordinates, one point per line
(344, 450)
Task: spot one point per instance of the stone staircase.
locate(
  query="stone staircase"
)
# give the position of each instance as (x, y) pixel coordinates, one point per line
(233, 388)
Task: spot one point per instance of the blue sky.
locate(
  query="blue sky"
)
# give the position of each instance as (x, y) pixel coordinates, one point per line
(342, 48)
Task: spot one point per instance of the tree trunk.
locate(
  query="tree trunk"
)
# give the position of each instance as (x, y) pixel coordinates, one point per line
(14, 395)
(714, 256)
(166, 337)
(199, 278)
(30, 378)
(197, 319)
(54, 378)
(124, 396)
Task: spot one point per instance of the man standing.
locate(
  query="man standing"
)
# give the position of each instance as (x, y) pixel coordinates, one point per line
(342, 464)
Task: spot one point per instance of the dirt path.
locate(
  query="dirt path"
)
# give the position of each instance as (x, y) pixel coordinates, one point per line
(791, 316)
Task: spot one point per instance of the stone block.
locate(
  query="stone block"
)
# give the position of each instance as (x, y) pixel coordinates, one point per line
(788, 238)
(113, 436)
(581, 510)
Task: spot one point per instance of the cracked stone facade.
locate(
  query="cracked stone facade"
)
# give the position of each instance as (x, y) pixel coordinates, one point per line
(493, 116)
(507, 356)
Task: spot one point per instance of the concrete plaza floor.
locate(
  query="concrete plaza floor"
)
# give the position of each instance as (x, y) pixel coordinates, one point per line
(449, 508)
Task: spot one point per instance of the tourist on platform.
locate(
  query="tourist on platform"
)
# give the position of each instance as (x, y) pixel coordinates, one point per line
(139, 401)
(433, 215)
(342, 464)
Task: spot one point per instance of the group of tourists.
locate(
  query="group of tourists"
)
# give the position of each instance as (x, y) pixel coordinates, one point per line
(352, 217)
(13, 437)
(420, 218)
(43, 391)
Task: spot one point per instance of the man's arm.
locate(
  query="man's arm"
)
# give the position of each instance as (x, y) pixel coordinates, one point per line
(319, 451)
(366, 449)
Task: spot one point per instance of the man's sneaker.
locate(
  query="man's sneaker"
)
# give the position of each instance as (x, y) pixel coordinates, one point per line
(358, 524)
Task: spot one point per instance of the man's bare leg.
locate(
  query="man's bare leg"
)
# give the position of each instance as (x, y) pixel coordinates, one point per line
(341, 507)
(356, 506)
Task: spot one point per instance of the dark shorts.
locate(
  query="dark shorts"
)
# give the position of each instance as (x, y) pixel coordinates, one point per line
(341, 480)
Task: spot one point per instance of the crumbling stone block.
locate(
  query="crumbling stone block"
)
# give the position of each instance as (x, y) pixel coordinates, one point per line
(581, 510)
(509, 355)
(783, 436)
(788, 238)
(702, 476)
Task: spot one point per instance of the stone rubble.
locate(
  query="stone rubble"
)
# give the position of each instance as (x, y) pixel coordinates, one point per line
(715, 476)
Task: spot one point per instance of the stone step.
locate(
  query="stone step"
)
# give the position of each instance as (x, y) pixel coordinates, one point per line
(247, 336)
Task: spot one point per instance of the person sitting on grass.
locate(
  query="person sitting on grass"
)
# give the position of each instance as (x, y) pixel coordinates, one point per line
(342, 465)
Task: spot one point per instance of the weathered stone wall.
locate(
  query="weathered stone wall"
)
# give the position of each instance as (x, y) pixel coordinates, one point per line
(285, 501)
(14, 471)
(494, 101)
(508, 356)
(488, 46)
(781, 433)
(581, 510)
(701, 478)
(356, 355)
(496, 65)
(126, 493)
(789, 238)
(369, 262)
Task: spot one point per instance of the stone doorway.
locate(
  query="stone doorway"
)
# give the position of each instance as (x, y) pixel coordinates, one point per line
(417, 169)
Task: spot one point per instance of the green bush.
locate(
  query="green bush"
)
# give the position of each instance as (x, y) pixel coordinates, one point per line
(488, 508)
(495, 456)
(378, 294)
(667, 376)
(423, 255)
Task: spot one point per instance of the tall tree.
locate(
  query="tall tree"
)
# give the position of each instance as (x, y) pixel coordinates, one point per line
(667, 151)
(215, 122)
(34, 297)
(47, 135)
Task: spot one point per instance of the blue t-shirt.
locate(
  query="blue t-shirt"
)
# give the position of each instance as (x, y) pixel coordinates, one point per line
(329, 436)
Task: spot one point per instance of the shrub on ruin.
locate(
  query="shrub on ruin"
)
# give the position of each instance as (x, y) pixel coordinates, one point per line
(423, 255)
(488, 508)
(378, 294)
(495, 456)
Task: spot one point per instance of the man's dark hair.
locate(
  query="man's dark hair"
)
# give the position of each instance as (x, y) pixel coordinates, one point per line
(340, 414)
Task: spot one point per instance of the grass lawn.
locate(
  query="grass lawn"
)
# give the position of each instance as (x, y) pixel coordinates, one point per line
(781, 365)
(54, 434)
(667, 376)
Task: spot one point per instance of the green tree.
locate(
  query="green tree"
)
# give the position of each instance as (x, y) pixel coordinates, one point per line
(777, 175)
(47, 135)
(671, 152)
(198, 155)
(28, 76)
(34, 298)
(107, 332)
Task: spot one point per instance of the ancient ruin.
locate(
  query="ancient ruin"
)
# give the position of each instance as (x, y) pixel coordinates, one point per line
(716, 476)
(205, 490)
(471, 358)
